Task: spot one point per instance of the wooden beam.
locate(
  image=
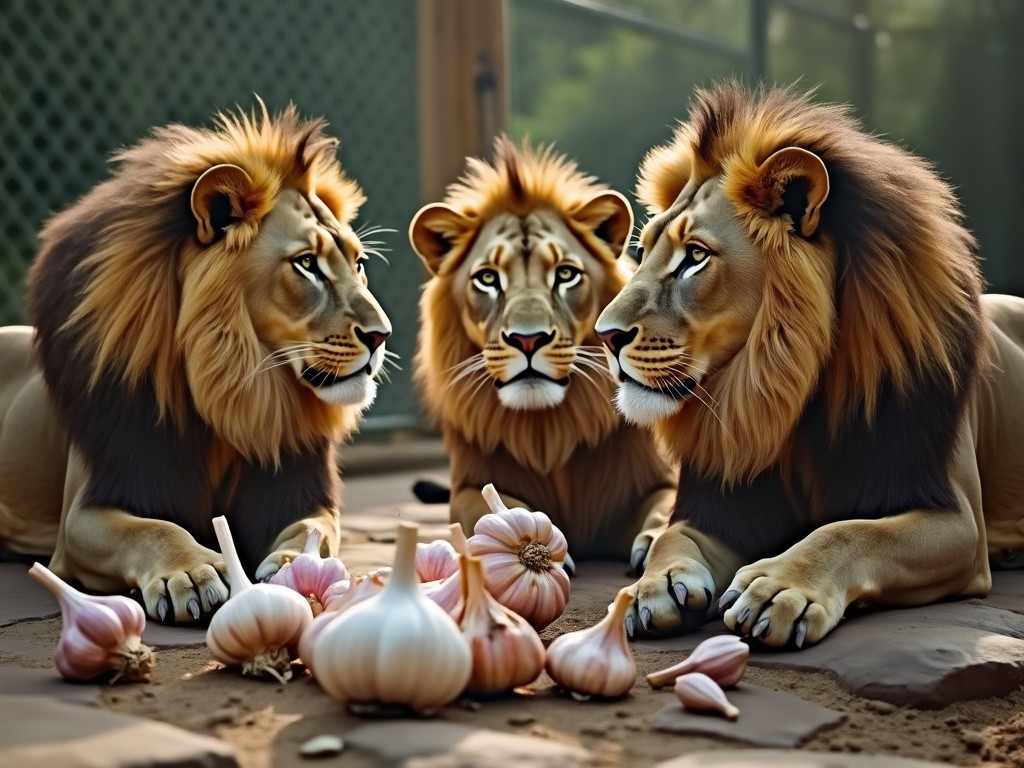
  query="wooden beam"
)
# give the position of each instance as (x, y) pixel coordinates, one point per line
(463, 86)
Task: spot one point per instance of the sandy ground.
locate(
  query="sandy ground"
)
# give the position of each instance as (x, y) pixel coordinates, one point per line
(266, 722)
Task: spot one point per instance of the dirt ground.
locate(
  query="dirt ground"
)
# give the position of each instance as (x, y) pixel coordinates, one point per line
(266, 722)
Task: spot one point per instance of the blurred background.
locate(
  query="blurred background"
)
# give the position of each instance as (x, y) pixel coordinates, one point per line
(412, 86)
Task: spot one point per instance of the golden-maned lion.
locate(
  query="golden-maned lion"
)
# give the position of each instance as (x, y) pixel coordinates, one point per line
(524, 255)
(807, 335)
(203, 337)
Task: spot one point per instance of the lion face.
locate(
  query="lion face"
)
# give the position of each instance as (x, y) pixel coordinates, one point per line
(527, 293)
(310, 305)
(688, 308)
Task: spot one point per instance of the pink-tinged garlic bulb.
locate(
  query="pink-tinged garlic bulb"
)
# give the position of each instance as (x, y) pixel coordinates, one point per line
(312, 575)
(395, 648)
(260, 624)
(436, 560)
(698, 692)
(507, 652)
(100, 635)
(596, 661)
(723, 658)
(522, 554)
(362, 588)
(448, 592)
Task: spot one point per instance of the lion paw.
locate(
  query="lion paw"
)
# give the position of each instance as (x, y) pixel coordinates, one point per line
(676, 599)
(185, 593)
(773, 601)
(274, 562)
(640, 553)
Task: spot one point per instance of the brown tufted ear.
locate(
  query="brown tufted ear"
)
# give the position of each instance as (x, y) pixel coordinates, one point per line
(433, 233)
(609, 217)
(794, 181)
(218, 198)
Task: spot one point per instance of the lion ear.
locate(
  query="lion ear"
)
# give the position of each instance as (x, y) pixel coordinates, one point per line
(795, 182)
(609, 217)
(433, 233)
(218, 198)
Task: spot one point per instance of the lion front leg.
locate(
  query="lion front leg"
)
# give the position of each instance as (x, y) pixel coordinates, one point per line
(685, 571)
(656, 510)
(290, 542)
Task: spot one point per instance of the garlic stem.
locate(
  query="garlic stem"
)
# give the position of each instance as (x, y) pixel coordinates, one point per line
(403, 573)
(618, 609)
(236, 573)
(458, 537)
(313, 538)
(494, 502)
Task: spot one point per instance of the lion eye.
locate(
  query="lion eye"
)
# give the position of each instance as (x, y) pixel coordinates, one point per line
(695, 258)
(566, 274)
(307, 266)
(486, 279)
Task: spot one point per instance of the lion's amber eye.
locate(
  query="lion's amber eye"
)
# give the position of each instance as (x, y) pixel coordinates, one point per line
(486, 278)
(306, 262)
(566, 274)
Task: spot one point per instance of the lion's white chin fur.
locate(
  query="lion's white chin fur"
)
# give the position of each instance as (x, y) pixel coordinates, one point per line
(360, 390)
(643, 407)
(531, 395)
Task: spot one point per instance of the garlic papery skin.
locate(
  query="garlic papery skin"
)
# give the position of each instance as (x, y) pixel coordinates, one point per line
(436, 560)
(723, 658)
(448, 592)
(312, 575)
(99, 635)
(522, 554)
(362, 588)
(507, 651)
(698, 692)
(596, 661)
(396, 648)
(259, 624)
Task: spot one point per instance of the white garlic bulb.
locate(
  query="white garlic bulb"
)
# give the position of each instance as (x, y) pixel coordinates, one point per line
(100, 635)
(311, 575)
(507, 651)
(523, 554)
(395, 648)
(698, 692)
(259, 624)
(596, 661)
(362, 588)
(723, 658)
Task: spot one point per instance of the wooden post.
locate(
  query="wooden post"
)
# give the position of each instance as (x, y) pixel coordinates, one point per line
(463, 86)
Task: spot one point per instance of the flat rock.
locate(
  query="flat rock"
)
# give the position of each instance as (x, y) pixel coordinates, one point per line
(767, 718)
(785, 758)
(926, 657)
(38, 732)
(21, 597)
(435, 744)
(164, 636)
(15, 681)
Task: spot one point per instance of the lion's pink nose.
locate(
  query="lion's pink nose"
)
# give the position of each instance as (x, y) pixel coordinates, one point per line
(528, 343)
(615, 339)
(372, 339)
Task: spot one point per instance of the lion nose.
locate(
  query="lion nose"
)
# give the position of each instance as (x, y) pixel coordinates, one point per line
(372, 339)
(528, 343)
(615, 339)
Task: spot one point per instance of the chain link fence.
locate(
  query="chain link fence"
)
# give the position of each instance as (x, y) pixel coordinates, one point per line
(82, 78)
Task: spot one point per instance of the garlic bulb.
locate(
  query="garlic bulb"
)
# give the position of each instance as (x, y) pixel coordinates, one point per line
(507, 651)
(312, 575)
(436, 560)
(522, 554)
(362, 588)
(700, 693)
(259, 624)
(723, 658)
(395, 648)
(99, 635)
(596, 661)
(448, 592)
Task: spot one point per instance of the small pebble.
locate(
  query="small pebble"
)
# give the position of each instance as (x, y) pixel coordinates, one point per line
(633, 727)
(973, 741)
(322, 746)
(221, 716)
(881, 707)
(623, 713)
(470, 705)
(522, 720)
(952, 721)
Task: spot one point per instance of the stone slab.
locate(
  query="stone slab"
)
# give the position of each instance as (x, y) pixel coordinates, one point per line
(785, 758)
(163, 636)
(16, 682)
(21, 597)
(38, 732)
(417, 744)
(926, 657)
(767, 718)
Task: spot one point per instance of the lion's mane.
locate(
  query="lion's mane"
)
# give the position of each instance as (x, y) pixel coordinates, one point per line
(869, 338)
(130, 307)
(522, 179)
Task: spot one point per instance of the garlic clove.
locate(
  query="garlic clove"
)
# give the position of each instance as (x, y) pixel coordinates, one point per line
(395, 648)
(310, 574)
(698, 692)
(100, 635)
(436, 560)
(723, 658)
(260, 624)
(596, 661)
(507, 651)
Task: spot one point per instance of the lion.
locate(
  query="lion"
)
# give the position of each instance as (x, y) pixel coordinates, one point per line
(204, 337)
(806, 334)
(523, 255)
